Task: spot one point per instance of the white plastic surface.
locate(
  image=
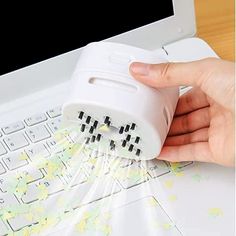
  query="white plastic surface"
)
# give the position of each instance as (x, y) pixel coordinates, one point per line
(102, 86)
(214, 188)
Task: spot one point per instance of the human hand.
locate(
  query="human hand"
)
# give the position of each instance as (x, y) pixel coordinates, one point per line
(203, 124)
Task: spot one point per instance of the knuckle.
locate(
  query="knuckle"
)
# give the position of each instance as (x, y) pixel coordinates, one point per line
(162, 71)
(165, 72)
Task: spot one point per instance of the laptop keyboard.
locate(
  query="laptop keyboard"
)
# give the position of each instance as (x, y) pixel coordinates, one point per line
(31, 153)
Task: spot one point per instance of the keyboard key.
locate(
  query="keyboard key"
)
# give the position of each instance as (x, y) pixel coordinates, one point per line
(54, 146)
(131, 176)
(31, 174)
(2, 149)
(79, 179)
(179, 166)
(4, 184)
(21, 221)
(14, 127)
(155, 168)
(37, 152)
(3, 229)
(57, 145)
(94, 153)
(38, 133)
(97, 166)
(52, 113)
(83, 194)
(75, 176)
(53, 167)
(125, 162)
(89, 192)
(2, 169)
(36, 119)
(40, 190)
(54, 125)
(8, 200)
(83, 155)
(16, 141)
(15, 160)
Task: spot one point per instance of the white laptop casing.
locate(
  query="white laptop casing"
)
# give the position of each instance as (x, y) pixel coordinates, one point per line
(202, 187)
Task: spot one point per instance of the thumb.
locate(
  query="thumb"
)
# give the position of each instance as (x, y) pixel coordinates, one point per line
(169, 74)
(213, 76)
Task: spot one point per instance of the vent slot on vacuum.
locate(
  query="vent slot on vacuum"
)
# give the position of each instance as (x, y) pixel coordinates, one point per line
(113, 84)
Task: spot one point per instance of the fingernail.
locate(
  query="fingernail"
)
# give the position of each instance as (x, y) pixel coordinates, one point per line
(139, 68)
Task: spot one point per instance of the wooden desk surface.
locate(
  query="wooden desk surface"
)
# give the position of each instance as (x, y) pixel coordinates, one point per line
(215, 24)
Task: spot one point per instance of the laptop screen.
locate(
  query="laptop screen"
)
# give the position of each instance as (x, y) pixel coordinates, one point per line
(35, 38)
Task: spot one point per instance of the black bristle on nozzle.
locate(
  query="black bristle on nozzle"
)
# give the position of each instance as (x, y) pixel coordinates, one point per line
(131, 147)
(93, 139)
(137, 140)
(138, 152)
(91, 130)
(128, 137)
(107, 118)
(133, 126)
(87, 140)
(82, 128)
(95, 124)
(124, 143)
(127, 128)
(112, 145)
(81, 114)
(88, 119)
(121, 130)
(98, 137)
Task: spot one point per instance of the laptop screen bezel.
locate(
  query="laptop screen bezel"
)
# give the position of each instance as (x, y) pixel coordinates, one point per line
(60, 68)
(157, 34)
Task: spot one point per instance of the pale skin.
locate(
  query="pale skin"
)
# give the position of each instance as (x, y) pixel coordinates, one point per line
(203, 126)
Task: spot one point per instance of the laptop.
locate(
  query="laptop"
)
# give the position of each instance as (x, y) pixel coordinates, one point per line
(44, 192)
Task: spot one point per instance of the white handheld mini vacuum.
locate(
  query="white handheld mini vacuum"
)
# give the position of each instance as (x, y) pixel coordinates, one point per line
(114, 110)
